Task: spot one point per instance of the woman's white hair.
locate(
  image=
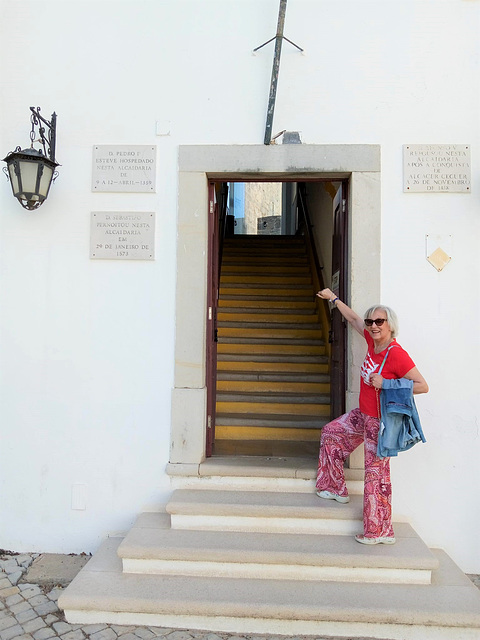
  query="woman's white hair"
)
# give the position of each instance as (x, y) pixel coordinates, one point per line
(391, 317)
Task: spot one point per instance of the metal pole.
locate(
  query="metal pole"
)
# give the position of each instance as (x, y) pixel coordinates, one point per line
(275, 71)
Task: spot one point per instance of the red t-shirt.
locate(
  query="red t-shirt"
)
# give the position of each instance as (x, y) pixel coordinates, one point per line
(397, 364)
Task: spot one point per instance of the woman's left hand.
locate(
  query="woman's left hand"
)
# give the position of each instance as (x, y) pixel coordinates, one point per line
(376, 380)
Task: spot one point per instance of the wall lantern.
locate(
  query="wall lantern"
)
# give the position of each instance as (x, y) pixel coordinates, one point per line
(31, 172)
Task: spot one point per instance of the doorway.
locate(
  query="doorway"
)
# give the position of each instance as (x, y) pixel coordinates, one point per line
(200, 164)
(275, 356)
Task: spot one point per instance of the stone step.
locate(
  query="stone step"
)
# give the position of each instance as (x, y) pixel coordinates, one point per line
(152, 546)
(264, 512)
(256, 473)
(448, 609)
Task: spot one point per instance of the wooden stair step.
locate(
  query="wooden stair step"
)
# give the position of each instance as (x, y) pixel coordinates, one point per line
(252, 366)
(238, 258)
(252, 240)
(273, 357)
(274, 376)
(270, 333)
(242, 433)
(314, 409)
(278, 281)
(288, 386)
(270, 349)
(281, 340)
(247, 240)
(280, 421)
(263, 269)
(287, 319)
(253, 252)
(279, 397)
(266, 249)
(265, 308)
(265, 292)
(299, 306)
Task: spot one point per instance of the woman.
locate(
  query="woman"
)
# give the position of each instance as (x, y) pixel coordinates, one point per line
(341, 436)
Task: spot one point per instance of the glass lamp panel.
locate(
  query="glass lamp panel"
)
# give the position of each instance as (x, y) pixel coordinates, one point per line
(45, 181)
(28, 173)
(13, 178)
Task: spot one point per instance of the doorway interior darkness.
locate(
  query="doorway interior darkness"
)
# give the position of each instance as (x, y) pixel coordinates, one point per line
(276, 354)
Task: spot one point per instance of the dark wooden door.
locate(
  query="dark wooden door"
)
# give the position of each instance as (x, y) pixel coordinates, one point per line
(212, 300)
(338, 324)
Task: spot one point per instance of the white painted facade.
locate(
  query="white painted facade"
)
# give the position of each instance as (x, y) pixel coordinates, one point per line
(87, 347)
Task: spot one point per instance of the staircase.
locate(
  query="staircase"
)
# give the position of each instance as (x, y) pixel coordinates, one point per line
(245, 546)
(273, 385)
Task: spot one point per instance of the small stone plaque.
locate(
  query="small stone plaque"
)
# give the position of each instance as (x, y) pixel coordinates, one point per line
(124, 168)
(435, 168)
(121, 235)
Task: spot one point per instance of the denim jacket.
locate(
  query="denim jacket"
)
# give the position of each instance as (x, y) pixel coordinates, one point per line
(400, 425)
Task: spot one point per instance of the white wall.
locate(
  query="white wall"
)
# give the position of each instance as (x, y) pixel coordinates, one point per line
(320, 209)
(86, 347)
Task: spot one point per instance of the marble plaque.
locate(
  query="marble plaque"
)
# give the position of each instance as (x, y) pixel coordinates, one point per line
(433, 168)
(122, 235)
(124, 168)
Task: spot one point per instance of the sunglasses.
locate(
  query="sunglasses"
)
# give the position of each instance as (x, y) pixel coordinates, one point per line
(379, 321)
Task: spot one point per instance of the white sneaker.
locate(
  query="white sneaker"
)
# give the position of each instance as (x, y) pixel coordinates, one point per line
(328, 495)
(379, 540)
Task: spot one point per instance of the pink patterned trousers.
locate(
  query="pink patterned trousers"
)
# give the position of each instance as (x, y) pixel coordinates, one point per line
(339, 438)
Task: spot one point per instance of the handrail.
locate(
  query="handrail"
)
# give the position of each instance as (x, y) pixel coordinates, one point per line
(322, 305)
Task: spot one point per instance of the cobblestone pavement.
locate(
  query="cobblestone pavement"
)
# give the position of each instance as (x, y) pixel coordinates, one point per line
(30, 612)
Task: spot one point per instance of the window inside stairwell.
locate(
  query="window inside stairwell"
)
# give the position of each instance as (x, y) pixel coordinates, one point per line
(261, 208)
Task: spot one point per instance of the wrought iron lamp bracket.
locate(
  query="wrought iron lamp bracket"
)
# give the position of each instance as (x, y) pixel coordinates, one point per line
(48, 143)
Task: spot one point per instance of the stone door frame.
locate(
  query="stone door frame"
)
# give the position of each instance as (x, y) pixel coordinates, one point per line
(198, 164)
